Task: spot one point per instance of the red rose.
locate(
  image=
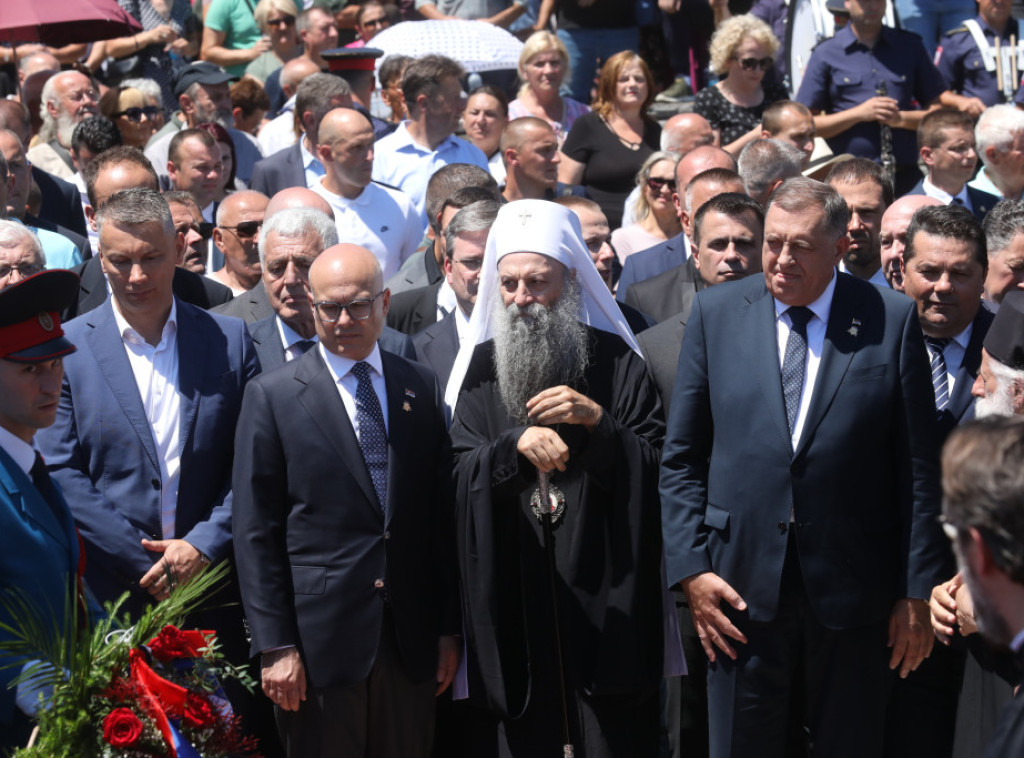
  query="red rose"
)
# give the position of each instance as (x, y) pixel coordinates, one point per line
(122, 728)
(198, 711)
(171, 643)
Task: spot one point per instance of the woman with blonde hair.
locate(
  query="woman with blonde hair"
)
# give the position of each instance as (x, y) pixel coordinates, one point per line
(543, 66)
(606, 147)
(742, 50)
(132, 113)
(656, 217)
(276, 20)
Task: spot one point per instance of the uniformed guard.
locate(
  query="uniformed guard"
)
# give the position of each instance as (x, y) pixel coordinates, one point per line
(870, 81)
(982, 60)
(355, 65)
(41, 555)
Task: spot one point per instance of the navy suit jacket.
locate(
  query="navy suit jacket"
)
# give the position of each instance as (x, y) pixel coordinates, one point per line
(437, 345)
(39, 559)
(62, 202)
(981, 202)
(102, 453)
(279, 171)
(270, 349)
(862, 484)
(318, 557)
(961, 402)
(651, 262)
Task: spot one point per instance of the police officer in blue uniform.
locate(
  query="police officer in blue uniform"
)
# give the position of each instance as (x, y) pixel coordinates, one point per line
(867, 79)
(40, 556)
(968, 63)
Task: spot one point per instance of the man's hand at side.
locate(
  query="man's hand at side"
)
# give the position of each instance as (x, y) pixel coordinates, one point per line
(704, 593)
(910, 635)
(447, 662)
(284, 678)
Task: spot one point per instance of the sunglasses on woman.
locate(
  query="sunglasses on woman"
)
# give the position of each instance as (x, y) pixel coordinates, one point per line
(749, 64)
(135, 114)
(656, 183)
(286, 20)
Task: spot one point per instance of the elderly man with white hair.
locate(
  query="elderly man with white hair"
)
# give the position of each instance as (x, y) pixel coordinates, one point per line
(564, 604)
(999, 134)
(68, 99)
(21, 253)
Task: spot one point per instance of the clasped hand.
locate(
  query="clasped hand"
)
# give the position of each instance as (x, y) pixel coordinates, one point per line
(542, 446)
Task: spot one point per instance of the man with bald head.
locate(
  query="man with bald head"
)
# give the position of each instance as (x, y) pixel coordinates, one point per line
(682, 134)
(893, 235)
(279, 132)
(381, 219)
(68, 99)
(239, 219)
(529, 149)
(348, 423)
(671, 253)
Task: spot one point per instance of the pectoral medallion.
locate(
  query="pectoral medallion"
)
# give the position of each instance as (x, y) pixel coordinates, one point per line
(556, 504)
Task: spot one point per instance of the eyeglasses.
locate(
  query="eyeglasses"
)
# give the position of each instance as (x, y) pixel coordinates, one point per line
(749, 64)
(246, 228)
(655, 183)
(358, 310)
(135, 114)
(470, 264)
(375, 22)
(204, 229)
(25, 269)
(286, 20)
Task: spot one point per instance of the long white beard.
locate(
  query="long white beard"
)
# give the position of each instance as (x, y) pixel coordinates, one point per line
(999, 403)
(538, 348)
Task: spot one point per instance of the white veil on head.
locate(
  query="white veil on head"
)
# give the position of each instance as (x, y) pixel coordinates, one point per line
(537, 226)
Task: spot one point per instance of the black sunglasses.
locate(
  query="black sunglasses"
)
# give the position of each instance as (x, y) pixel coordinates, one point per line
(656, 183)
(246, 228)
(749, 64)
(135, 114)
(286, 20)
(204, 229)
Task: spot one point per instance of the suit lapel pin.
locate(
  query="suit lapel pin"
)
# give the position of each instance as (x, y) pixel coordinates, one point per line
(406, 406)
(854, 329)
(409, 393)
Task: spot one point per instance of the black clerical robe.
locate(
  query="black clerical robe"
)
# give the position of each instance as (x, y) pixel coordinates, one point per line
(608, 557)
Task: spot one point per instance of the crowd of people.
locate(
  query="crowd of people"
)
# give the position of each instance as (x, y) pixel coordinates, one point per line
(528, 420)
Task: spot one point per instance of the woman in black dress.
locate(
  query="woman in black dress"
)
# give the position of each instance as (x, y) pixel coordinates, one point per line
(742, 50)
(606, 147)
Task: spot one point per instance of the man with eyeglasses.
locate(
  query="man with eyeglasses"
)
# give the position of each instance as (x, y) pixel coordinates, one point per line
(188, 222)
(68, 98)
(21, 253)
(868, 88)
(343, 533)
(239, 219)
(948, 150)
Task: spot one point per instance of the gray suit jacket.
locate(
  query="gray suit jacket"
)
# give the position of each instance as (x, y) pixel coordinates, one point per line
(279, 171)
(437, 346)
(660, 346)
(664, 295)
(250, 306)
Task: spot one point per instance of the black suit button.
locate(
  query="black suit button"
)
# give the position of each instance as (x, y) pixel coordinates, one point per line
(783, 527)
(155, 483)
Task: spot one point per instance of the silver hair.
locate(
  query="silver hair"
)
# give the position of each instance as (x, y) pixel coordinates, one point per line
(538, 347)
(765, 161)
(796, 194)
(147, 87)
(315, 94)
(13, 234)
(131, 207)
(997, 128)
(299, 222)
(1004, 222)
(475, 217)
(48, 130)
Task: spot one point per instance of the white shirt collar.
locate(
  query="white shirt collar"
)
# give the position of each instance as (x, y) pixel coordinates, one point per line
(23, 453)
(821, 307)
(128, 332)
(307, 157)
(340, 367)
(446, 297)
(461, 323)
(944, 197)
(288, 335)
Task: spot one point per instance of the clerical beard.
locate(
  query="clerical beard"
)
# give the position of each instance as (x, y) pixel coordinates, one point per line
(538, 347)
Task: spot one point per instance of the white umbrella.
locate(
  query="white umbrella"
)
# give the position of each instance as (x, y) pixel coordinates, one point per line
(478, 46)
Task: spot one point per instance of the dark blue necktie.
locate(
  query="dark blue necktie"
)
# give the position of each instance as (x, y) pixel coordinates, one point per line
(373, 439)
(794, 361)
(940, 380)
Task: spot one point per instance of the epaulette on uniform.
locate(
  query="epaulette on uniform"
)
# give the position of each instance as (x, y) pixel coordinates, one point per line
(958, 30)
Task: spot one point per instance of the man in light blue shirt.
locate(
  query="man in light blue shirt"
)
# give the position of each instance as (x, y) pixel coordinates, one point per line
(408, 157)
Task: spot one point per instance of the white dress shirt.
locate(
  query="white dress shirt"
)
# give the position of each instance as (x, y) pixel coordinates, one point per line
(22, 453)
(155, 369)
(341, 372)
(279, 133)
(382, 220)
(815, 342)
(291, 339)
(877, 278)
(446, 300)
(944, 197)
